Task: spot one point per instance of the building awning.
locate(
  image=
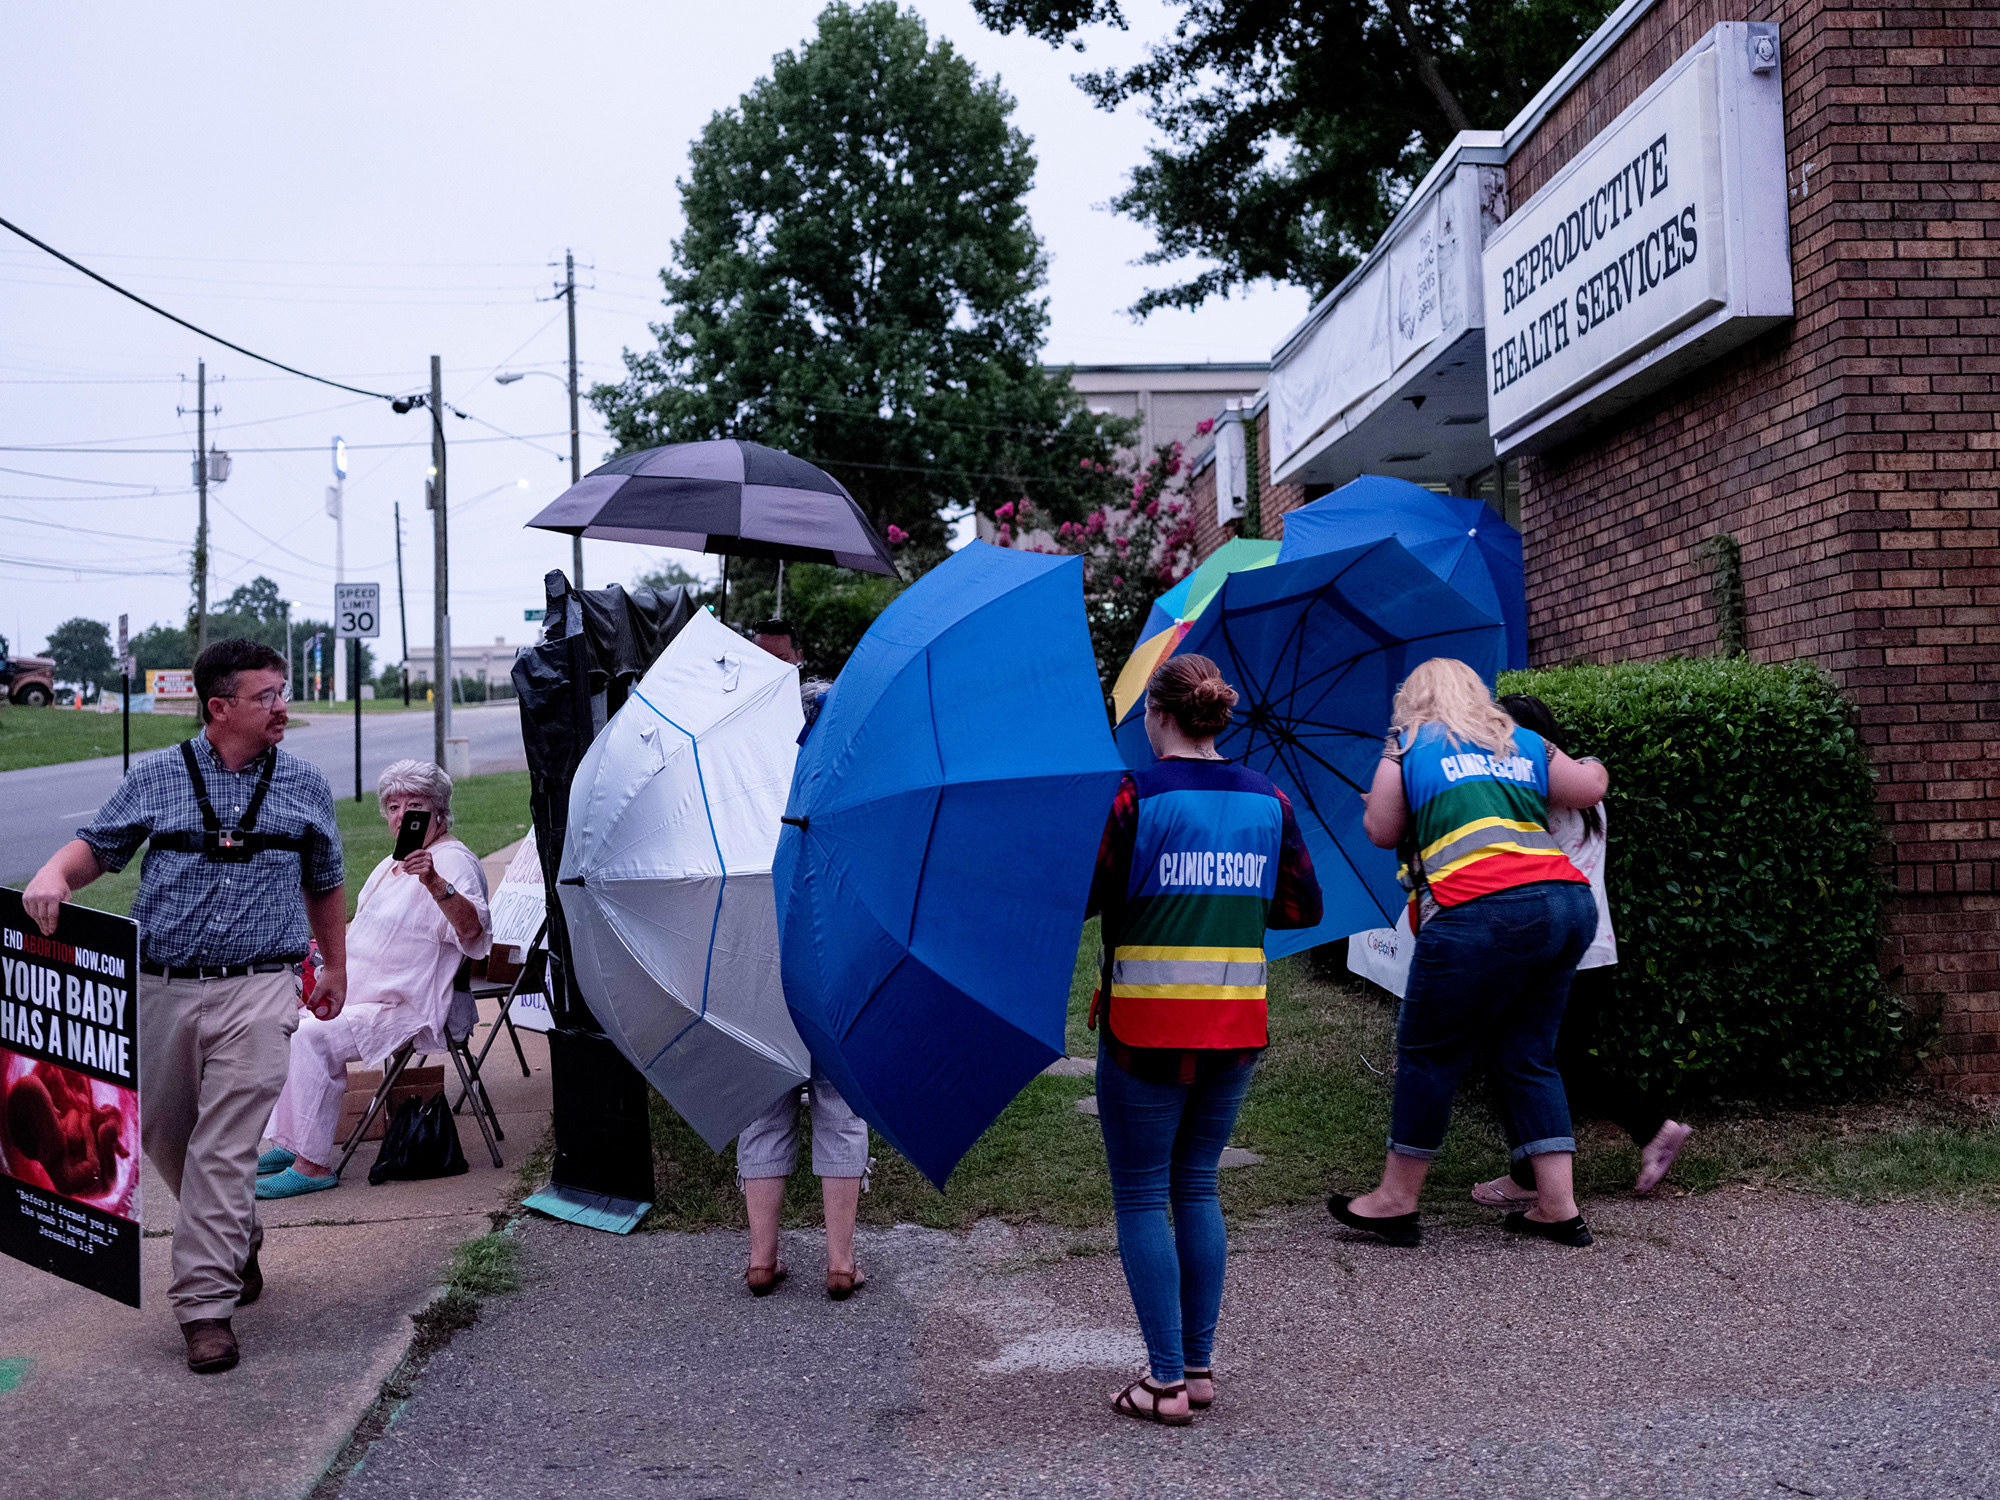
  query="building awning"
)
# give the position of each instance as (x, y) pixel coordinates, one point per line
(1385, 375)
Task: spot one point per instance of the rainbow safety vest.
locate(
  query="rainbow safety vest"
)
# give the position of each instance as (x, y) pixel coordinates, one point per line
(1187, 967)
(1481, 821)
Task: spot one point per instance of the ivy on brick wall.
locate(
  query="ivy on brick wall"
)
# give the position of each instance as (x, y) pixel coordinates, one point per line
(1742, 878)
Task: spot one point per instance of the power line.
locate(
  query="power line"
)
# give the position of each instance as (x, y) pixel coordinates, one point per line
(510, 437)
(109, 484)
(152, 307)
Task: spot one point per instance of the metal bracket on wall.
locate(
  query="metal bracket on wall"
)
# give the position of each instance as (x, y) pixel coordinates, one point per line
(1761, 39)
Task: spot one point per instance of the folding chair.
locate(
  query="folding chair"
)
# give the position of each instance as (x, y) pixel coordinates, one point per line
(534, 968)
(459, 1022)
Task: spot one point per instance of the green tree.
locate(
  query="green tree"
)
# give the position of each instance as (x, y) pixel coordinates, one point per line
(1294, 130)
(1134, 548)
(82, 650)
(858, 284)
(161, 647)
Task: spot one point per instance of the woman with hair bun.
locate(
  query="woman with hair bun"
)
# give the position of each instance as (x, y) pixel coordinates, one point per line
(1501, 916)
(1199, 858)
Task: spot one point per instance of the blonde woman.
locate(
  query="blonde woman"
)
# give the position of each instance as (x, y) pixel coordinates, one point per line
(1502, 917)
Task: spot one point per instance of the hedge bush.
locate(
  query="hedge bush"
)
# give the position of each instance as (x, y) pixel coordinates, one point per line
(1741, 875)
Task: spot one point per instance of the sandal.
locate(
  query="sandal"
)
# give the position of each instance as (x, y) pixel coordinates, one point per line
(1656, 1158)
(840, 1285)
(764, 1280)
(1125, 1406)
(1505, 1192)
(1194, 1375)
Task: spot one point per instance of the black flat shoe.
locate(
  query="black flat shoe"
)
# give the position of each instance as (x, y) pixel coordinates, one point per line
(1398, 1229)
(1571, 1232)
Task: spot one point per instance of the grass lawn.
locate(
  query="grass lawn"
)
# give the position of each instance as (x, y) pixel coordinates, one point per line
(489, 812)
(1318, 1114)
(49, 736)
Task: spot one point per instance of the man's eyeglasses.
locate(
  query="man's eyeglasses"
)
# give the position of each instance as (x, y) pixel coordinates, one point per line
(269, 699)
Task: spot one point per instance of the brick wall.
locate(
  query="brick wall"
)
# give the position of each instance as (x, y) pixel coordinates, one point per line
(1277, 499)
(1851, 453)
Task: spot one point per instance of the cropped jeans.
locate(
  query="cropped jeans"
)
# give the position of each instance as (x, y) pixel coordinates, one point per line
(1164, 1145)
(1493, 971)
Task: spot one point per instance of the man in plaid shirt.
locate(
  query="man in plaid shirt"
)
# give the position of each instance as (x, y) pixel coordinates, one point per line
(244, 868)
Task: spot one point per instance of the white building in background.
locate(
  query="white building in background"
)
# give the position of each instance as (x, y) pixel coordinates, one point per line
(492, 664)
(1168, 399)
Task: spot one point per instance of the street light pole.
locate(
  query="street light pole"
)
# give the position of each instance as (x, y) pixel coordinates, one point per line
(441, 683)
(575, 438)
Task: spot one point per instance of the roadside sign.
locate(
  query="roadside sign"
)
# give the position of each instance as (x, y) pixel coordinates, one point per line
(533, 616)
(357, 611)
(170, 682)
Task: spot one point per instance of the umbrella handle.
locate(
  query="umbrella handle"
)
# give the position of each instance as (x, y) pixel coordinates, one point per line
(796, 822)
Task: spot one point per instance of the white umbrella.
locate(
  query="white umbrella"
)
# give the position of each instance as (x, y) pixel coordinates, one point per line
(666, 878)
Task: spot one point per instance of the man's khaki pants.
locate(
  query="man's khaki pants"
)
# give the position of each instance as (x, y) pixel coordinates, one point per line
(213, 1054)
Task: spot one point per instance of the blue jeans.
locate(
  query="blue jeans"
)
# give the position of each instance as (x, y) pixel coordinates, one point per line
(1164, 1145)
(1494, 970)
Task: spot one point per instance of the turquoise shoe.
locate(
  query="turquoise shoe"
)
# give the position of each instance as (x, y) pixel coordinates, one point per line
(289, 1184)
(274, 1160)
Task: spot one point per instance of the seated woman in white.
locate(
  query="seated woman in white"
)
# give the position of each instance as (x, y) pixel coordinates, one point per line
(415, 922)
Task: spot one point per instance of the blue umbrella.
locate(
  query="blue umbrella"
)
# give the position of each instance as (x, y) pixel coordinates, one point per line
(1317, 649)
(939, 846)
(1462, 540)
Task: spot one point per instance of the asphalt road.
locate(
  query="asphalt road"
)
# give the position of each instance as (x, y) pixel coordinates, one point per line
(1741, 1344)
(41, 806)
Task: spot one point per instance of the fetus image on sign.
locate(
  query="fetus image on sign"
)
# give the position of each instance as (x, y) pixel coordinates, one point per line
(67, 1132)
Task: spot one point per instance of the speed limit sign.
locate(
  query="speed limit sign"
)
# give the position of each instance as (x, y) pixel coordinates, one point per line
(357, 611)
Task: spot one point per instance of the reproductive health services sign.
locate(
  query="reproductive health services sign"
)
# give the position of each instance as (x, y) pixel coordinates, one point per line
(1658, 246)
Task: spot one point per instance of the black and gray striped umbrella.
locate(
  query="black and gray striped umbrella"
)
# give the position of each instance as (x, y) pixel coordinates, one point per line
(721, 496)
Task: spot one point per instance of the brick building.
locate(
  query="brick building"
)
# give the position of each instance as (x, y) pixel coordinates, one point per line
(1843, 429)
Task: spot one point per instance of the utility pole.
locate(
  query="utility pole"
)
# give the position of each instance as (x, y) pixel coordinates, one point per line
(441, 670)
(201, 523)
(575, 439)
(402, 614)
(336, 506)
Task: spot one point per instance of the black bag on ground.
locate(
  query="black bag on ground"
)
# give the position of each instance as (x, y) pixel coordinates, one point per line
(422, 1142)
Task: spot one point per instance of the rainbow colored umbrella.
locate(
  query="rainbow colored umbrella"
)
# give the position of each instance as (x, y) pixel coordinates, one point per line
(1179, 607)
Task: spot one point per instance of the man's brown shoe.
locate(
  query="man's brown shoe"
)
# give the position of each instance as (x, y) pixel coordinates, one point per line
(253, 1282)
(211, 1346)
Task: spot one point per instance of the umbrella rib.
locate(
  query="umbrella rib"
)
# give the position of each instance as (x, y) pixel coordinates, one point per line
(1312, 806)
(715, 922)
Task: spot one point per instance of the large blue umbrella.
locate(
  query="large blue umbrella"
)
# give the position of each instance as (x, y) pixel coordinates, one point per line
(1317, 649)
(1462, 540)
(940, 840)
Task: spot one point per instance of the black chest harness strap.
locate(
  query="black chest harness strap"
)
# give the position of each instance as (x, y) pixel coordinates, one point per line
(227, 846)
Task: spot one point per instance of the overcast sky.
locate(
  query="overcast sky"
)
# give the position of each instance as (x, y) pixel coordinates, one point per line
(352, 188)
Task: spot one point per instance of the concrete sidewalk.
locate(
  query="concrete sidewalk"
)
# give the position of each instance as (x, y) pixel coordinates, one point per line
(106, 1407)
(1741, 1344)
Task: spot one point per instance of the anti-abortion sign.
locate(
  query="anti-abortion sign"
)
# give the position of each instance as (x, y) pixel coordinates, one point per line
(519, 906)
(69, 1096)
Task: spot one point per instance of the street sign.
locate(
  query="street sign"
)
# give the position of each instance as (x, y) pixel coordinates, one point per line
(357, 611)
(533, 616)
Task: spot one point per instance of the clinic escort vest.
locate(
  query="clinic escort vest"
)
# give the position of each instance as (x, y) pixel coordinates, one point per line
(1188, 966)
(1480, 821)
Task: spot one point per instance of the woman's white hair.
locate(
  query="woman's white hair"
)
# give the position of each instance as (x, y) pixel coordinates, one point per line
(416, 778)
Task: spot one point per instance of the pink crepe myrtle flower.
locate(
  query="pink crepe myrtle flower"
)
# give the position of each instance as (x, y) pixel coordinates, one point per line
(1027, 506)
(897, 536)
(1004, 512)
(1095, 523)
(1204, 427)
(1117, 582)
(1152, 510)
(1005, 536)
